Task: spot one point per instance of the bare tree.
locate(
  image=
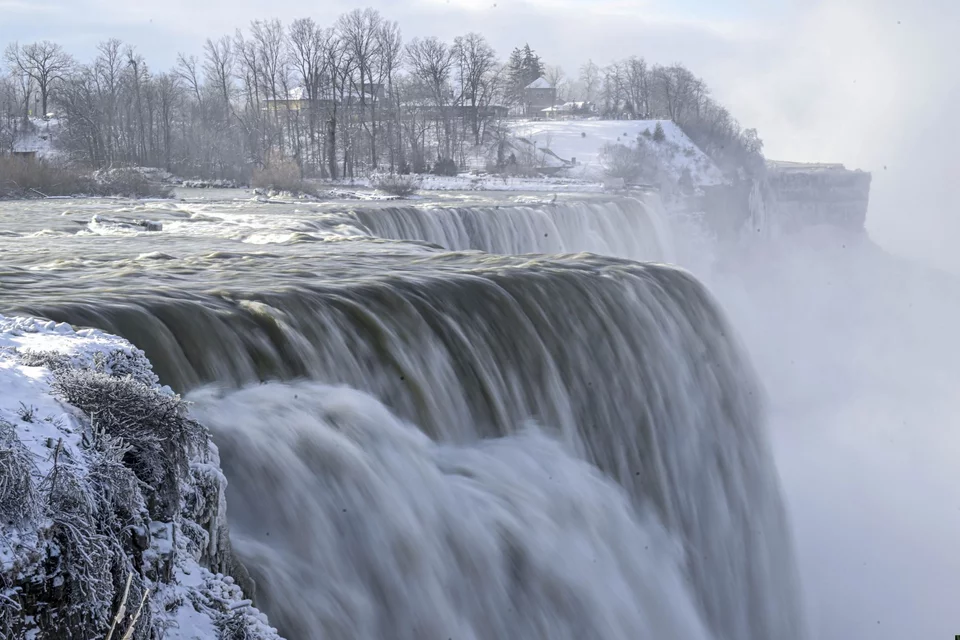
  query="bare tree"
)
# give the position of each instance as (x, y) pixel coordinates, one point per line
(389, 50)
(477, 62)
(218, 66)
(636, 80)
(45, 63)
(359, 33)
(590, 81)
(431, 61)
(556, 76)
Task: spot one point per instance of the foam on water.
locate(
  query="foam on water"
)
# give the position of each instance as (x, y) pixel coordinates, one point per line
(356, 525)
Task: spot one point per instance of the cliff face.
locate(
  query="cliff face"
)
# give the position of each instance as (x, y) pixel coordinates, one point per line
(789, 198)
(804, 195)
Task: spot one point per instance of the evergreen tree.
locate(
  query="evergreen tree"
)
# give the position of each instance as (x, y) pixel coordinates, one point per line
(524, 67)
(658, 134)
(532, 65)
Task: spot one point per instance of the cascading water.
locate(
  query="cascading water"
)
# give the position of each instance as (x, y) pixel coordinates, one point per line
(624, 228)
(383, 533)
(472, 523)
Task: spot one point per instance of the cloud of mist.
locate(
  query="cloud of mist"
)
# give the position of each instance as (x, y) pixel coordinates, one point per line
(859, 350)
(872, 84)
(858, 353)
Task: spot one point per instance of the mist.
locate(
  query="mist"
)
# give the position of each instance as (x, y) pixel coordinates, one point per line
(857, 345)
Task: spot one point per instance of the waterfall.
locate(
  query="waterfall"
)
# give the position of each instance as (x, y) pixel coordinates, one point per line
(624, 228)
(358, 526)
(630, 372)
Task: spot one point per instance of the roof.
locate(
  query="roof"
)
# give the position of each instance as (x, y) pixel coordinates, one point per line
(539, 83)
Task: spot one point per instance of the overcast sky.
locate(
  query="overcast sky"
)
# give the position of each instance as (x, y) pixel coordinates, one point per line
(871, 83)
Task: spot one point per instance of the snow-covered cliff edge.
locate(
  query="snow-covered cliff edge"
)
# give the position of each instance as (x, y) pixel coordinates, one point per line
(105, 479)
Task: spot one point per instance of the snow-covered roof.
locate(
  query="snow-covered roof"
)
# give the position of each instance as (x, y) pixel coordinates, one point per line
(540, 83)
(297, 93)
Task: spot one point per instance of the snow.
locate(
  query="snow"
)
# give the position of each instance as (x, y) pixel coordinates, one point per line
(191, 605)
(486, 182)
(38, 138)
(585, 139)
(540, 83)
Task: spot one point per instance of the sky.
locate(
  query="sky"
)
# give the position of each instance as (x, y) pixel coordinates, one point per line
(870, 83)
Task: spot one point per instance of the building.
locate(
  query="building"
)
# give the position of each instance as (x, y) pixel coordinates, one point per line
(537, 96)
(298, 98)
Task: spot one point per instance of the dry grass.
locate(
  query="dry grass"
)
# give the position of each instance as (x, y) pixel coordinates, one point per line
(281, 176)
(26, 178)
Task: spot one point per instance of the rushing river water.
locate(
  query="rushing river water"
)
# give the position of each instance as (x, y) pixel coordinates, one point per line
(451, 445)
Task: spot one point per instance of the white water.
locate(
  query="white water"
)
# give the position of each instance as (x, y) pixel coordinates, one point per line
(356, 525)
(626, 228)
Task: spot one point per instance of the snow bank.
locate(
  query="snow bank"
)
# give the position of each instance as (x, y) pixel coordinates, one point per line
(585, 139)
(104, 476)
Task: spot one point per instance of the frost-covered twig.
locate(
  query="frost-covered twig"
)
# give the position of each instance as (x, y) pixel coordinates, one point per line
(122, 609)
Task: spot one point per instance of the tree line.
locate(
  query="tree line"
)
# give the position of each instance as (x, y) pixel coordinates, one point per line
(337, 101)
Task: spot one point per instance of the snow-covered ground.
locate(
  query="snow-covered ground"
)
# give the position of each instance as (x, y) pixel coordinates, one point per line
(477, 182)
(39, 138)
(39, 431)
(585, 139)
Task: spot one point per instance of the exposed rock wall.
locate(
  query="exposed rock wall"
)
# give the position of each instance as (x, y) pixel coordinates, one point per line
(805, 195)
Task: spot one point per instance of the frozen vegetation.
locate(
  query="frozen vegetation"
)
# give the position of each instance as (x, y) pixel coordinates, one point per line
(112, 506)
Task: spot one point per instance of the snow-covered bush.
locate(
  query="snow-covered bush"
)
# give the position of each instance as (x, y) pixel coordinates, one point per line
(396, 184)
(159, 435)
(631, 163)
(283, 176)
(17, 492)
(123, 487)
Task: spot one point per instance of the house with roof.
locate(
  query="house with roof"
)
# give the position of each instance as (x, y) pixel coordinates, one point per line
(537, 96)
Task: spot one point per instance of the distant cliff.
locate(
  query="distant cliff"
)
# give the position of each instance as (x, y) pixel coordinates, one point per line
(802, 195)
(790, 196)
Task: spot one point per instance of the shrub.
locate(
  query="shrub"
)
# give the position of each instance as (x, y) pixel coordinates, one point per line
(154, 425)
(631, 163)
(27, 178)
(658, 133)
(395, 184)
(127, 183)
(446, 167)
(17, 491)
(280, 176)
(620, 161)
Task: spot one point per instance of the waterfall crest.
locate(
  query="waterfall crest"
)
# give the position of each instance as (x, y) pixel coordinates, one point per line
(624, 228)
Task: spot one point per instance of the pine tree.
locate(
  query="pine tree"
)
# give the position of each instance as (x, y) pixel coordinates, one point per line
(658, 134)
(524, 67)
(532, 65)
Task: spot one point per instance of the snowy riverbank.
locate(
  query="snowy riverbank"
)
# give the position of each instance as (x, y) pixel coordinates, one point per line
(103, 475)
